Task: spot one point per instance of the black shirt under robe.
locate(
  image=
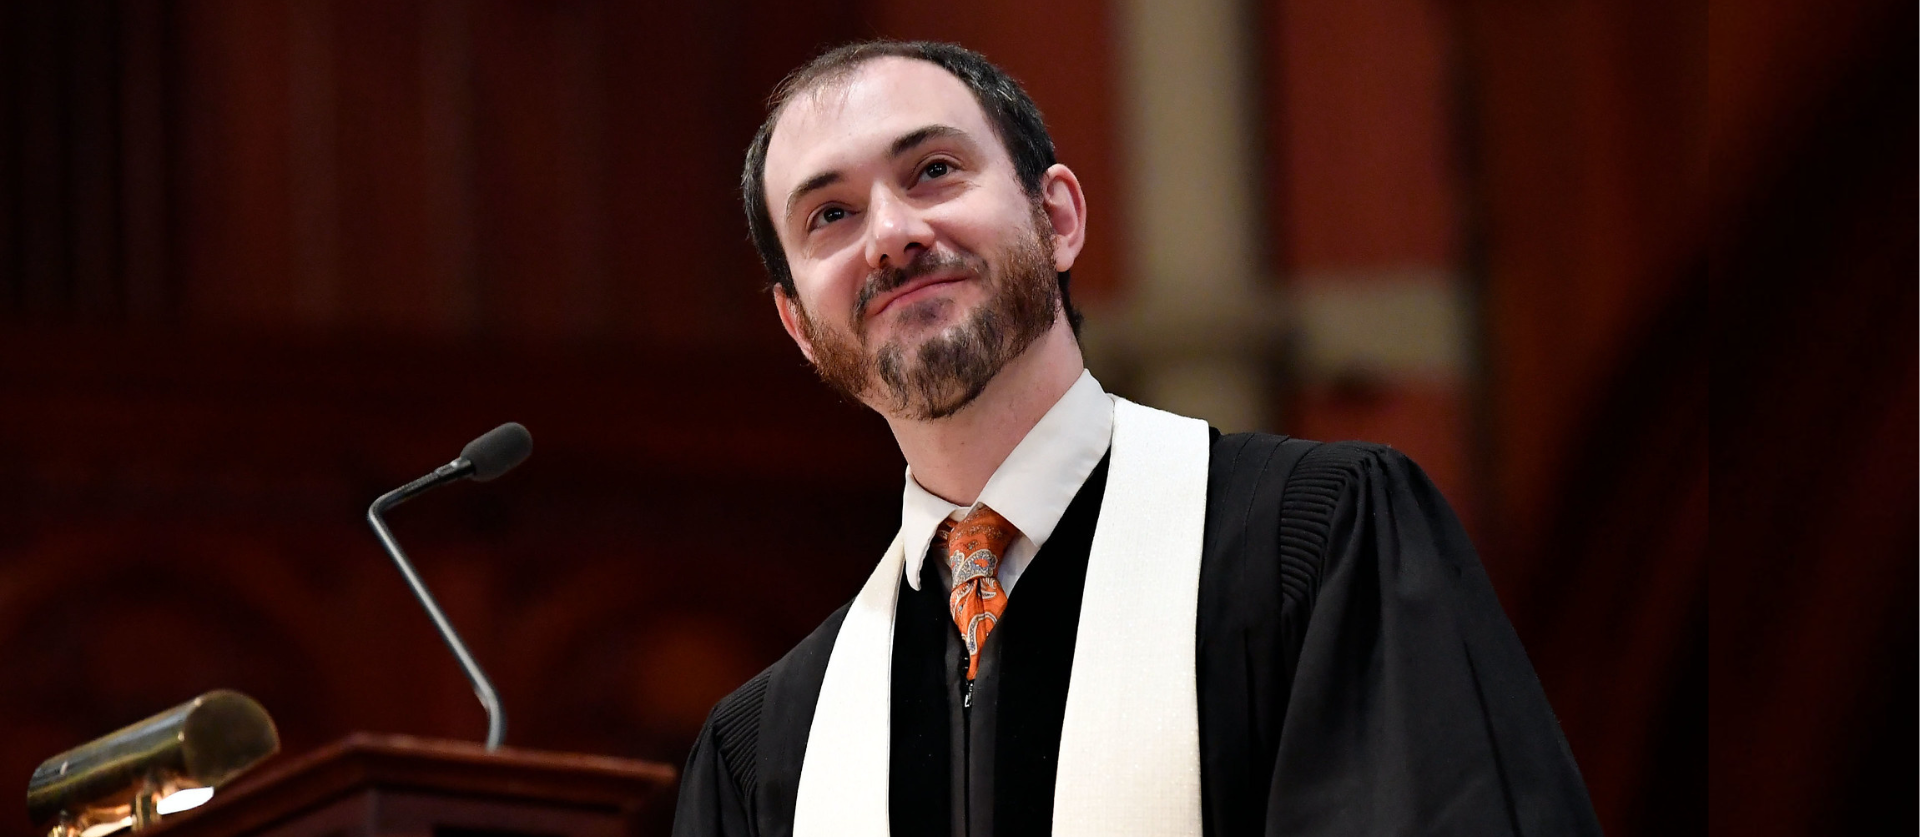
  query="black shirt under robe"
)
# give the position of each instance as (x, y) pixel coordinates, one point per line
(1355, 676)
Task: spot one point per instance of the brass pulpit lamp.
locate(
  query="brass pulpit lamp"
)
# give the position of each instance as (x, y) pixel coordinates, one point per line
(128, 774)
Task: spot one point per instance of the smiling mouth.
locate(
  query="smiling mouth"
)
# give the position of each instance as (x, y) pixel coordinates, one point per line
(910, 290)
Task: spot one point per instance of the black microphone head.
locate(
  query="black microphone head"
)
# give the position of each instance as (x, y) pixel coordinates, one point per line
(498, 451)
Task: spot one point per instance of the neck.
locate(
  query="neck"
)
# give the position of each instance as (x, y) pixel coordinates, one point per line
(953, 457)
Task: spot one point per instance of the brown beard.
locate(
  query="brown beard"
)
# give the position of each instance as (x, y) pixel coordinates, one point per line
(950, 369)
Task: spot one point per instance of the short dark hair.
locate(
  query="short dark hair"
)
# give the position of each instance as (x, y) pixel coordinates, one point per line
(1011, 112)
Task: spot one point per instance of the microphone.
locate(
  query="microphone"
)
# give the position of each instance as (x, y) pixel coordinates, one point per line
(483, 459)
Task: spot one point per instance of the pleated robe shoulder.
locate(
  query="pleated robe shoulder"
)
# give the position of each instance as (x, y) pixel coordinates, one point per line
(1355, 675)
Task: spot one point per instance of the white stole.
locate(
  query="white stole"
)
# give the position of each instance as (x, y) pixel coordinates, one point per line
(1130, 742)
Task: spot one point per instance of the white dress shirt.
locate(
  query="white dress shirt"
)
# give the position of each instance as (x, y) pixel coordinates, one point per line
(1031, 489)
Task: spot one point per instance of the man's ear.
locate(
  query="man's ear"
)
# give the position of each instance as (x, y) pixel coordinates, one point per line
(1066, 208)
(790, 320)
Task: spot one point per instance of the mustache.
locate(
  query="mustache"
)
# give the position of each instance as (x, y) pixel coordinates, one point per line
(888, 278)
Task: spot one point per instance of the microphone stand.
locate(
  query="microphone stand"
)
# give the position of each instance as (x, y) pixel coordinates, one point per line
(482, 687)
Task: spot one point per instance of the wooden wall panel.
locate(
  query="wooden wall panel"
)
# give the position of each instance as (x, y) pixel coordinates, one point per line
(233, 193)
(1363, 164)
(1585, 127)
(678, 266)
(1587, 141)
(185, 513)
(1811, 648)
(1366, 205)
(377, 76)
(342, 238)
(540, 269)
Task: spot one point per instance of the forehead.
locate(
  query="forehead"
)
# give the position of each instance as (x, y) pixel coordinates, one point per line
(854, 119)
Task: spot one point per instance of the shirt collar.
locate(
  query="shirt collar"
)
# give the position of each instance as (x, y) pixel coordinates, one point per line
(1033, 486)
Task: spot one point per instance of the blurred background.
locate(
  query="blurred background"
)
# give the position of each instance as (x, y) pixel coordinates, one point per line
(262, 260)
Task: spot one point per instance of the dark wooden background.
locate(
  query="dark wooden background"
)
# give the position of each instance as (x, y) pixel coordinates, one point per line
(261, 261)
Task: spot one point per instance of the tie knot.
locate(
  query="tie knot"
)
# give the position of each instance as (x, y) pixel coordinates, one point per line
(975, 545)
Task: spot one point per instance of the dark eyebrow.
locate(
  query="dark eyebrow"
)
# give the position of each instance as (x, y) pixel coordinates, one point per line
(816, 182)
(907, 142)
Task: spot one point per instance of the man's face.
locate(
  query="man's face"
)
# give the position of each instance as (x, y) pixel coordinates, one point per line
(920, 266)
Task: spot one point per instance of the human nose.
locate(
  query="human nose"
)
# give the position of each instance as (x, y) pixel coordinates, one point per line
(896, 232)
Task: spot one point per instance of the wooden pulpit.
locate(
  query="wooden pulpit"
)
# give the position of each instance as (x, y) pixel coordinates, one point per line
(380, 785)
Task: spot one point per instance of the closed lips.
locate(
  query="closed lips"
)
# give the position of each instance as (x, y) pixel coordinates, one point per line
(913, 287)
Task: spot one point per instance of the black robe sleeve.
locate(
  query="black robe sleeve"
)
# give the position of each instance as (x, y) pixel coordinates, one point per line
(712, 803)
(1411, 706)
(743, 775)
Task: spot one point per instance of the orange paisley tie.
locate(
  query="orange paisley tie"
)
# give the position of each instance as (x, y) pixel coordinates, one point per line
(974, 548)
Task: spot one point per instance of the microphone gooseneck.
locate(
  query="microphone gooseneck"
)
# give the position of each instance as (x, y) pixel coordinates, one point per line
(485, 458)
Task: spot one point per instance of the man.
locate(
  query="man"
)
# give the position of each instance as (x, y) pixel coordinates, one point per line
(1097, 618)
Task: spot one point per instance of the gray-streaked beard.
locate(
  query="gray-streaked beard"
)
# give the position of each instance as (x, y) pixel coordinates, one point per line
(950, 369)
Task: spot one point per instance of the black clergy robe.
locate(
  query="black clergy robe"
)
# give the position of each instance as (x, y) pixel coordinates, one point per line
(1356, 675)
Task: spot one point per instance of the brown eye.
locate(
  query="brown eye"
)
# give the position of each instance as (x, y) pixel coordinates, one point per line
(828, 216)
(937, 168)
